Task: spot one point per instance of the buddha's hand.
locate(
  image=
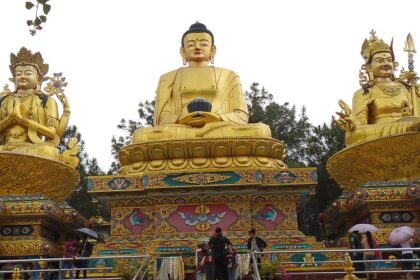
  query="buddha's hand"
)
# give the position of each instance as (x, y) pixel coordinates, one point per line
(198, 119)
(346, 121)
(14, 110)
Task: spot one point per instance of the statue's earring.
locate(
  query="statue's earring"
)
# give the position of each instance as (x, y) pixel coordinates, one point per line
(367, 69)
(212, 59)
(184, 60)
(396, 64)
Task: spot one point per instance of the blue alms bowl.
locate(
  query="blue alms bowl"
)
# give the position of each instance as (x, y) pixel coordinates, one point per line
(199, 104)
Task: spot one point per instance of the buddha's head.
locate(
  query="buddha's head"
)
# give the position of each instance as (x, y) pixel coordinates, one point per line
(28, 69)
(197, 45)
(379, 58)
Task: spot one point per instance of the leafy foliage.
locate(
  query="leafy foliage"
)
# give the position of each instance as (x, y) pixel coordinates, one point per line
(285, 124)
(146, 116)
(325, 141)
(80, 199)
(40, 16)
(127, 268)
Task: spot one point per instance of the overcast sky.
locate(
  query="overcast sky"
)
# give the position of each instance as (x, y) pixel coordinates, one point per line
(113, 52)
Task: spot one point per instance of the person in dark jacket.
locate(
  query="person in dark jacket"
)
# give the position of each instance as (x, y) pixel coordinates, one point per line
(355, 240)
(85, 250)
(256, 244)
(218, 244)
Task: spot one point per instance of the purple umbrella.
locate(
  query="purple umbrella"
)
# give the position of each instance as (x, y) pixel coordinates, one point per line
(88, 232)
(400, 235)
(363, 228)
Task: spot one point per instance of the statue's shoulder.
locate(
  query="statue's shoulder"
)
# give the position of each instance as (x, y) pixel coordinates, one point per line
(170, 76)
(227, 76)
(225, 71)
(362, 93)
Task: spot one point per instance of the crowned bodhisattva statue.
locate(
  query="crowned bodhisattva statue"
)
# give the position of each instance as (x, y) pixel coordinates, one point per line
(31, 129)
(385, 105)
(383, 125)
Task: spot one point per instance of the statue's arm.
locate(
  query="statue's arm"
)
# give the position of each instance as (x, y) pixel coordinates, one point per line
(4, 121)
(164, 105)
(51, 113)
(167, 117)
(360, 107)
(238, 110)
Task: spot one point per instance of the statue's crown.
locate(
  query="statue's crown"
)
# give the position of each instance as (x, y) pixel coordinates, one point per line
(375, 45)
(25, 57)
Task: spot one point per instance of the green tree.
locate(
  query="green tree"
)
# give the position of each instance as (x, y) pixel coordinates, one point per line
(284, 122)
(325, 141)
(80, 199)
(146, 116)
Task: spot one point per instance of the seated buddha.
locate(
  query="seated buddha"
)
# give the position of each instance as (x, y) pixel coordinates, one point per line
(221, 109)
(29, 118)
(385, 105)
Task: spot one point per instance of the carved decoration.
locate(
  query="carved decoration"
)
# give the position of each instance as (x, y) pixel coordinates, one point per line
(159, 155)
(201, 178)
(19, 177)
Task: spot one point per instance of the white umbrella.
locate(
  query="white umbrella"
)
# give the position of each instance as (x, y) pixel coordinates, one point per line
(400, 235)
(363, 228)
(89, 232)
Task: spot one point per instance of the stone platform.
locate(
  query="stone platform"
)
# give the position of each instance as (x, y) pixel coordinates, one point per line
(166, 213)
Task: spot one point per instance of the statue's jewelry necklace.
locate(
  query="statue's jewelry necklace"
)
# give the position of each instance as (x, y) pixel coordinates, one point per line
(391, 90)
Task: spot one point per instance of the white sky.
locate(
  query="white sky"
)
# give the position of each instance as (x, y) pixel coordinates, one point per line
(306, 52)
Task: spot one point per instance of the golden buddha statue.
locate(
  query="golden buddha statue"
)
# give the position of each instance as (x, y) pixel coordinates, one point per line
(226, 113)
(383, 125)
(201, 120)
(29, 119)
(30, 131)
(385, 105)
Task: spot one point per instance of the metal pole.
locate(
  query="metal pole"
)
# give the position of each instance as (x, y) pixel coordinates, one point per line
(147, 260)
(140, 269)
(256, 274)
(60, 272)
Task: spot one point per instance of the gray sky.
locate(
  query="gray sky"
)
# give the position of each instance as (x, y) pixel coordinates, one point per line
(113, 52)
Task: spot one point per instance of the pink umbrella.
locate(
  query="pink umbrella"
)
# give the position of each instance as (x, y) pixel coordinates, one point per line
(363, 228)
(401, 234)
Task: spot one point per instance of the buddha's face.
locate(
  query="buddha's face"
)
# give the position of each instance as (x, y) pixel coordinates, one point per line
(26, 77)
(382, 65)
(197, 47)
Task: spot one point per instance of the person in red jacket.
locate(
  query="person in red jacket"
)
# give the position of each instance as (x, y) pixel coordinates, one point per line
(205, 263)
(70, 251)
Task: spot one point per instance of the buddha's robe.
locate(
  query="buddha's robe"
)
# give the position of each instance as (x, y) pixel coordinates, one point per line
(220, 86)
(383, 111)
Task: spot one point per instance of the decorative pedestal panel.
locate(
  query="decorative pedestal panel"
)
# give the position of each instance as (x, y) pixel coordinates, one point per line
(165, 214)
(387, 205)
(35, 226)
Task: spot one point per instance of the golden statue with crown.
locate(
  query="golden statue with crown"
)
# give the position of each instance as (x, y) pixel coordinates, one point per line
(31, 129)
(383, 125)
